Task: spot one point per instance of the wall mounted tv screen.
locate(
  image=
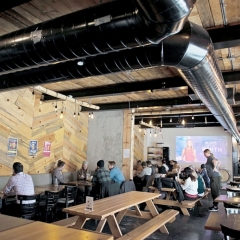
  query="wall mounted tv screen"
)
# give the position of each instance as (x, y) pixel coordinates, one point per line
(190, 148)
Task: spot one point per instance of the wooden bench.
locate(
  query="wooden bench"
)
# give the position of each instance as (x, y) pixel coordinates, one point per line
(68, 222)
(151, 226)
(184, 205)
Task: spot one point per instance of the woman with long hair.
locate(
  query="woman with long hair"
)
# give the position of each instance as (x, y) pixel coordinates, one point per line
(57, 173)
(190, 185)
(212, 166)
(189, 153)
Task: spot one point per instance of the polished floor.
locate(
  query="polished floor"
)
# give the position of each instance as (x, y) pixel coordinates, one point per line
(183, 228)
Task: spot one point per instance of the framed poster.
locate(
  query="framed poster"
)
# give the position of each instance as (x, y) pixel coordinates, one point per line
(33, 147)
(12, 147)
(46, 149)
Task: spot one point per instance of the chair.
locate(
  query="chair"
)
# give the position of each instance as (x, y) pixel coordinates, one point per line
(49, 205)
(108, 190)
(127, 186)
(228, 232)
(70, 193)
(28, 210)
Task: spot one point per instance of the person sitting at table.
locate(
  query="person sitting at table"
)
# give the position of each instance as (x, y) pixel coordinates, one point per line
(20, 184)
(115, 173)
(139, 167)
(154, 168)
(100, 176)
(189, 184)
(57, 173)
(82, 174)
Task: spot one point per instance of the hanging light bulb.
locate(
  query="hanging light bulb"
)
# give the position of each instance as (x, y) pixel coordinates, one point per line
(41, 99)
(155, 134)
(192, 117)
(205, 120)
(56, 107)
(89, 115)
(92, 116)
(160, 132)
(145, 131)
(183, 122)
(74, 115)
(150, 122)
(61, 115)
(161, 122)
(140, 130)
(170, 119)
(150, 133)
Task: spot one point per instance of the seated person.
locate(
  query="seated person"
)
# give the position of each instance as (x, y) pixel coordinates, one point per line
(139, 167)
(164, 164)
(82, 174)
(115, 173)
(57, 173)
(175, 169)
(20, 184)
(141, 178)
(149, 164)
(100, 176)
(189, 185)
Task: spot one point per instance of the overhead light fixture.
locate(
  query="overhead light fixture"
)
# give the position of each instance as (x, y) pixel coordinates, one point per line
(155, 134)
(81, 62)
(74, 115)
(150, 122)
(61, 115)
(41, 99)
(205, 120)
(145, 131)
(183, 122)
(170, 119)
(140, 129)
(92, 116)
(56, 108)
(192, 117)
(161, 122)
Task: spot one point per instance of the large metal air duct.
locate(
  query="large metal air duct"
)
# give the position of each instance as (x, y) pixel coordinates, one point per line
(109, 27)
(190, 51)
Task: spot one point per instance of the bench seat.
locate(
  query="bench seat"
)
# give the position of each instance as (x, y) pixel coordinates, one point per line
(68, 222)
(151, 226)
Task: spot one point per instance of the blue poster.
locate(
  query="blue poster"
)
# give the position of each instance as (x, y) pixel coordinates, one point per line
(33, 147)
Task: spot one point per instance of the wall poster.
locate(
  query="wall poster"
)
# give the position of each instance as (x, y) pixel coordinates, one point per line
(46, 149)
(12, 147)
(33, 147)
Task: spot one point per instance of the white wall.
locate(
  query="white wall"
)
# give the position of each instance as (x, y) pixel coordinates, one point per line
(105, 138)
(169, 139)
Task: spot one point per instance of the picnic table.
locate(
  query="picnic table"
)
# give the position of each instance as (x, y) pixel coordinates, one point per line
(105, 210)
(226, 199)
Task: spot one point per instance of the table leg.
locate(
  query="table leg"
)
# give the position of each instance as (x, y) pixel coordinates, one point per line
(80, 222)
(114, 227)
(120, 215)
(185, 211)
(152, 208)
(101, 225)
(168, 195)
(163, 229)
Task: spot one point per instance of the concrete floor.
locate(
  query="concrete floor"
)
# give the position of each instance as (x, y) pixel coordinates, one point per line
(183, 228)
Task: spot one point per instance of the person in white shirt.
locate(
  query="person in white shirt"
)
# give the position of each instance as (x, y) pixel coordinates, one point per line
(146, 171)
(19, 184)
(190, 185)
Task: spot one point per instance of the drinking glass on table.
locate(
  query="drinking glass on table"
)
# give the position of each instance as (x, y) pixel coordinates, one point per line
(88, 177)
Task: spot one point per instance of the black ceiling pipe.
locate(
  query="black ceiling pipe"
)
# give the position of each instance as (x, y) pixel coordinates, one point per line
(109, 27)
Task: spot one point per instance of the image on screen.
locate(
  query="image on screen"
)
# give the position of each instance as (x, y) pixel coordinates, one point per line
(190, 148)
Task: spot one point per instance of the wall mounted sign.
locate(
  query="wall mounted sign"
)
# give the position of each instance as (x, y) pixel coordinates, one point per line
(33, 148)
(12, 147)
(46, 149)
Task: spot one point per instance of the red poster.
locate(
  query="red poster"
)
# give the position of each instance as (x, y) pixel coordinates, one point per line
(46, 149)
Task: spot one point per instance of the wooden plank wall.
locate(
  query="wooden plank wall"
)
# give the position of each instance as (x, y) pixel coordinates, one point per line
(23, 117)
(138, 145)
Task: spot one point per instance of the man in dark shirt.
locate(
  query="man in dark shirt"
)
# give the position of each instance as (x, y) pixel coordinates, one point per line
(100, 176)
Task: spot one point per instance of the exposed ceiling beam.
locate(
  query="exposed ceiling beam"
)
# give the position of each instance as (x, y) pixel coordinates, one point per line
(161, 84)
(171, 102)
(225, 37)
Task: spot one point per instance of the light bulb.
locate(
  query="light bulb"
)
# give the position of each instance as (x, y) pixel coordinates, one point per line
(41, 101)
(192, 117)
(183, 122)
(155, 134)
(61, 115)
(74, 115)
(205, 120)
(170, 120)
(92, 116)
(89, 115)
(150, 122)
(140, 130)
(161, 122)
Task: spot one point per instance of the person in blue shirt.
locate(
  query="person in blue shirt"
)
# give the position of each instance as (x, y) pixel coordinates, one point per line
(115, 173)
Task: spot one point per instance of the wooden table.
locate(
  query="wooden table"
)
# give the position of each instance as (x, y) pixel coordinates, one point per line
(80, 183)
(49, 187)
(221, 217)
(105, 210)
(225, 198)
(43, 231)
(8, 222)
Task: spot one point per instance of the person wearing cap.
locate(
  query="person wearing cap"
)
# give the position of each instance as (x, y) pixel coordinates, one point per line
(115, 173)
(82, 174)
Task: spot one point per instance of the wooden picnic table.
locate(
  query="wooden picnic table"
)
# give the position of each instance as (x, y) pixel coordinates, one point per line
(49, 187)
(105, 210)
(221, 217)
(230, 188)
(40, 231)
(226, 199)
(8, 222)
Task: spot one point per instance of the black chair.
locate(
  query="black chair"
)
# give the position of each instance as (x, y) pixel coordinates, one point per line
(0, 205)
(28, 210)
(48, 206)
(228, 232)
(69, 199)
